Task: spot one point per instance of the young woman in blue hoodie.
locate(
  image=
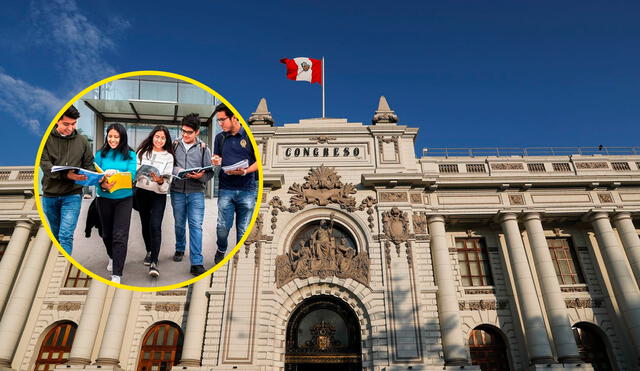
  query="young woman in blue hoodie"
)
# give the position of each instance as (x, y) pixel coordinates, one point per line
(115, 207)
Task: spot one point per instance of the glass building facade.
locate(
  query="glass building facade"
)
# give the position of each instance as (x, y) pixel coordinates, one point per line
(140, 103)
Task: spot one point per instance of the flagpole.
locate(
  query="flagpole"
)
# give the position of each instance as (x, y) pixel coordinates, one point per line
(323, 87)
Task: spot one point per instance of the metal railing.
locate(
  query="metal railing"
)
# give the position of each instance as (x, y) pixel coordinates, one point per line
(531, 151)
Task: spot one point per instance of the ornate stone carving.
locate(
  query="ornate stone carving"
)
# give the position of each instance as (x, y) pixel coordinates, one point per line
(384, 114)
(592, 165)
(322, 187)
(368, 203)
(507, 166)
(167, 307)
(322, 255)
(172, 293)
(420, 222)
(74, 292)
(395, 224)
(516, 199)
(605, 198)
(479, 291)
(393, 196)
(69, 306)
(322, 337)
(580, 303)
(482, 305)
(387, 254)
(322, 139)
(416, 198)
(574, 289)
(255, 236)
(409, 253)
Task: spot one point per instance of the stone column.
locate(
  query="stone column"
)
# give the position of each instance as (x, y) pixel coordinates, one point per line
(109, 354)
(535, 332)
(194, 332)
(87, 331)
(630, 241)
(10, 261)
(624, 287)
(19, 304)
(552, 295)
(454, 349)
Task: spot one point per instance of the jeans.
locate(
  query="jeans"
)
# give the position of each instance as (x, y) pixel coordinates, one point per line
(151, 207)
(189, 207)
(115, 217)
(231, 201)
(62, 213)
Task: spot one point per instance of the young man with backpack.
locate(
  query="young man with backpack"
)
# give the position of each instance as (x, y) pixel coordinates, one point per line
(187, 195)
(238, 189)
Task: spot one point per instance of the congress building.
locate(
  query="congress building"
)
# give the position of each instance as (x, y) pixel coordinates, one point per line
(364, 256)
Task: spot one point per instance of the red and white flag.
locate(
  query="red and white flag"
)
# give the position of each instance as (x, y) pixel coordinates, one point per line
(304, 69)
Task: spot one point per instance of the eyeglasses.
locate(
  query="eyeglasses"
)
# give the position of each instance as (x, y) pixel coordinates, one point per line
(222, 119)
(188, 132)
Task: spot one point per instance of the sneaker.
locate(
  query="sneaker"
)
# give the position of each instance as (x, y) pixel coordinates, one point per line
(153, 270)
(177, 257)
(218, 258)
(115, 279)
(147, 259)
(110, 266)
(197, 270)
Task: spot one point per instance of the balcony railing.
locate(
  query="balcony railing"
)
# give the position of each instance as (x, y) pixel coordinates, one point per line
(531, 151)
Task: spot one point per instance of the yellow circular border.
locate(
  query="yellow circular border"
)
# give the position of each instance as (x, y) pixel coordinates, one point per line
(77, 97)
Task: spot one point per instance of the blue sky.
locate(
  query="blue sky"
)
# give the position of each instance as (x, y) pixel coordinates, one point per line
(468, 73)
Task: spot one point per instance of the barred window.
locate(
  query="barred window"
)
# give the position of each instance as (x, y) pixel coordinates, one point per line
(161, 347)
(76, 278)
(473, 260)
(561, 166)
(448, 168)
(565, 261)
(56, 346)
(536, 167)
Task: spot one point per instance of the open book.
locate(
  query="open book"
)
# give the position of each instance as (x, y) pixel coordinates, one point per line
(146, 171)
(93, 177)
(183, 173)
(122, 181)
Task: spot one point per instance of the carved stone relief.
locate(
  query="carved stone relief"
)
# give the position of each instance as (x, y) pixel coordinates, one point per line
(324, 253)
(393, 197)
(574, 289)
(591, 165)
(256, 237)
(167, 307)
(416, 198)
(482, 305)
(396, 149)
(605, 198)
(507, 166)
(69, 306)
(395, 224)
(580, 303)
(322, 139)
(516, 199)
(479, 291)
(420, 222)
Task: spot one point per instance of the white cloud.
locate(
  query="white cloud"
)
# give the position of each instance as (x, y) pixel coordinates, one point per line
(26, 102)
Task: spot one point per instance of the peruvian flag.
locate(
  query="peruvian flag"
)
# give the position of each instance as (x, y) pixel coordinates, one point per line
(304, 69)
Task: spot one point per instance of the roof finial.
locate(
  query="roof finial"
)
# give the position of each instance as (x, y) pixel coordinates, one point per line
(384, 114)
(261, 116)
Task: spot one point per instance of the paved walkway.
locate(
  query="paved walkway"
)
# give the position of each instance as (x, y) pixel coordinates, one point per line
(91, 253)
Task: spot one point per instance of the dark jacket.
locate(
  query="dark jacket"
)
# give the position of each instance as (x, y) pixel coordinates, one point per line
(72, 150)
(198, 155)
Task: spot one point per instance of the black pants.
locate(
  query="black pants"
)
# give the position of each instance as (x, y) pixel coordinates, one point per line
(151, 207)
(115, 216)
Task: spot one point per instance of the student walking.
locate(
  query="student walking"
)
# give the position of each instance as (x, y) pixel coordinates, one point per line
(153, 178)
(115, 207)
(61, 196)
(187, 195)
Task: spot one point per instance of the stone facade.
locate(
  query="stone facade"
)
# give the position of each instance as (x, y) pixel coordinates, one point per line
(404, 216)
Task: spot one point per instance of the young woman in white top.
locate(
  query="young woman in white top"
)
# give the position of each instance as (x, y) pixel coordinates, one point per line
(155, 165)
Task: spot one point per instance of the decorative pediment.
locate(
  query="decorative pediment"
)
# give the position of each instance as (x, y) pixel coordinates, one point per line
(322, 187)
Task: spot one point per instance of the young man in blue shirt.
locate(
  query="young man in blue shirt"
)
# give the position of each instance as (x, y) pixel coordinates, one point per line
(238, 190)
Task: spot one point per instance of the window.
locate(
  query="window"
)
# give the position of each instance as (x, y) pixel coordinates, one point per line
(76, 278)
(565, 261)
(161, 348)
(487, 349)
(56, 346)
(591, 346)
(474, 262)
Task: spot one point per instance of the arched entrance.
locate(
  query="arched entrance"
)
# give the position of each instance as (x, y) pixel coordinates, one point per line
(323, 333)
(488, 349)
(161, 347)
(592, 346)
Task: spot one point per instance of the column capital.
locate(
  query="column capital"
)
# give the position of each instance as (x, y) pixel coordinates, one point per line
(107, 362)
(189, 363)
(507, 215)
(25, 223)
(533, 215)
(435, 218)
(621, 215)
(594, 215)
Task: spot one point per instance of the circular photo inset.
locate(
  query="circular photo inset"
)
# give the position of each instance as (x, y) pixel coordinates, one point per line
(148, 181)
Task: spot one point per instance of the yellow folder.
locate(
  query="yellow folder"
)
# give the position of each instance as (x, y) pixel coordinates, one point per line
(121, 180)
